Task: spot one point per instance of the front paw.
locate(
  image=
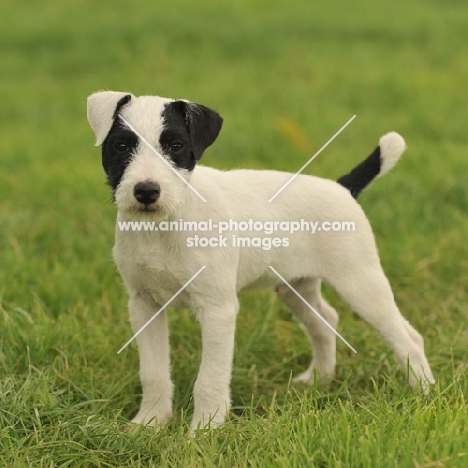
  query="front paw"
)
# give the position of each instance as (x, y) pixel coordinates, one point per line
(155, 415)
(206, 421)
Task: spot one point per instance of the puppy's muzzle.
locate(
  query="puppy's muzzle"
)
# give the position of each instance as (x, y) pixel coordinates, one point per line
(147, 192)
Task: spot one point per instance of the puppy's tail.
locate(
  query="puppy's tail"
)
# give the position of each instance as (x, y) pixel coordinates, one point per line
(383, 158)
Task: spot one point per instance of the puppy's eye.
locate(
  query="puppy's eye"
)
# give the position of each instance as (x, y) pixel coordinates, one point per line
(121, 147)
(176, 147)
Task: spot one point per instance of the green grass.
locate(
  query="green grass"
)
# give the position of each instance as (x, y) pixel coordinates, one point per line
(285, 76)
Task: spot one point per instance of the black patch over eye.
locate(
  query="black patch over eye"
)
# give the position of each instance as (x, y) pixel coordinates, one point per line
(121, 146)
(117, 151)
(175, 137)
(176, 147)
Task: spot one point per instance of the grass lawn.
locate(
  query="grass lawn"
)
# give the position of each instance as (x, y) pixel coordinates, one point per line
(285, 76)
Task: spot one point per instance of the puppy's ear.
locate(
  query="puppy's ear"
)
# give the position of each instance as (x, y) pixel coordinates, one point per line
(204, 126)
(103, 107)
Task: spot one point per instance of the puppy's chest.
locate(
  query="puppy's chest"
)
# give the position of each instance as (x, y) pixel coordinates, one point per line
(149, 268)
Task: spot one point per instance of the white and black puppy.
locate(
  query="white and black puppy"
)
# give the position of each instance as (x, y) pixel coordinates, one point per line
(155, 265)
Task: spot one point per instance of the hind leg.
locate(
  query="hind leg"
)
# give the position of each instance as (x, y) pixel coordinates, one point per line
(368, 292)
(322, 339)
(414, 335)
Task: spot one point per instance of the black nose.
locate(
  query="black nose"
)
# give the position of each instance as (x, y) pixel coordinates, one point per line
(146, 192)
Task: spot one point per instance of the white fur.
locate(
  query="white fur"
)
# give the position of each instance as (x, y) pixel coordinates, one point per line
(101, 107)
(154, 265)
(392, 145)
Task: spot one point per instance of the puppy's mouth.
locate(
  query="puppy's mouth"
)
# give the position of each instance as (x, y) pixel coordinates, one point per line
(148, 209)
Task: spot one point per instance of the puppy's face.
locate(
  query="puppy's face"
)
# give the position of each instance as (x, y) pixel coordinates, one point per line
(142, 173)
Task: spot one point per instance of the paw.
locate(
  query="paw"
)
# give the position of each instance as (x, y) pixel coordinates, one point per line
(313, 372)
(423, 379)
(152, 416)
(205, 421)
(306, 377)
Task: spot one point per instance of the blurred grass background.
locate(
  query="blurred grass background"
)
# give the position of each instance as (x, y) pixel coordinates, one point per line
(285, 76)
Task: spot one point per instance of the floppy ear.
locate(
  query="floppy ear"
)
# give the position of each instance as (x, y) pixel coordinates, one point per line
(204, 126)
(103, 107)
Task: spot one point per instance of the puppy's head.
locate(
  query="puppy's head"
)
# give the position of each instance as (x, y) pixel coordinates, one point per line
(145, 141)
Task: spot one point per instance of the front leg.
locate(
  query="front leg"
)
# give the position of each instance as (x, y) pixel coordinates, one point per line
(153, 346)
(211, 391)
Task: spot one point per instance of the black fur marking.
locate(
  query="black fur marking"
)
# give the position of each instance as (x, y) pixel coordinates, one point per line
(125, 100)
(117, 151)
(363, 174)
(205, 125)
(188, 130)
(175, 137)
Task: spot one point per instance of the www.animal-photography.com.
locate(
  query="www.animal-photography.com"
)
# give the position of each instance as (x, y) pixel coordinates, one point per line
(233, 234)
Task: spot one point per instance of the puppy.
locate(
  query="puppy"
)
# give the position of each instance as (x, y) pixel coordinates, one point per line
(150, 150)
